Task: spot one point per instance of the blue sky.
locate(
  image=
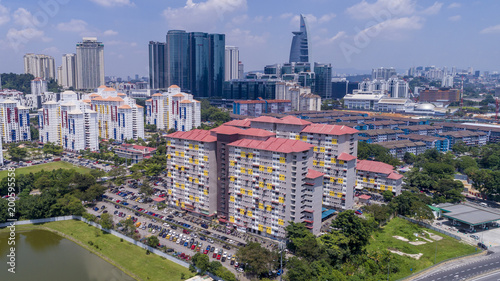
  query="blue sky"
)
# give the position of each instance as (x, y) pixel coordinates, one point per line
(349, 34)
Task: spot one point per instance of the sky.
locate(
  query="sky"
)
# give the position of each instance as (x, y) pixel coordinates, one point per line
(354, 36)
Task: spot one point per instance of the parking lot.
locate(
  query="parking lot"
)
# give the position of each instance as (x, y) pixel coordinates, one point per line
(181, 237)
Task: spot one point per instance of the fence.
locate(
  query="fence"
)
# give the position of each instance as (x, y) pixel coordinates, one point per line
(115, 233)
(432, 227)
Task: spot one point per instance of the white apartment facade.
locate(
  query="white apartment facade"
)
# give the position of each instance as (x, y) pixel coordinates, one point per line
(377, 177)
(173, 110)
(42, 66)
(70, 123)
(15, 121)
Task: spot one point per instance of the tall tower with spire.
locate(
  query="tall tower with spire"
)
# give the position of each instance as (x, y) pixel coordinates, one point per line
(299, 52)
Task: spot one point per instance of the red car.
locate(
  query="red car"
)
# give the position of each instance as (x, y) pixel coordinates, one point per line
(193, 247)
(182, 255)
(205, 252)
(218, 257)
(214, 255)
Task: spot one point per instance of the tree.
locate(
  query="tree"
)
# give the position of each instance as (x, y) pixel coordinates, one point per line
(94, 192)
(380, 212)
(353, 227)
(106, 221)
(51, 148)
(153, 169)
(388, 195)
(17, 153)
(146, 189)
(201, 261)
(409, 158)
(128, 226)
(466, 162)
(153, 241)
(377, 153)
(258, 258)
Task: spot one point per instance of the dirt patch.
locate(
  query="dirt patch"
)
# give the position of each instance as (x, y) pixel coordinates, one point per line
(414, 256)
(433, 236)
(400, 238)
(416, 243)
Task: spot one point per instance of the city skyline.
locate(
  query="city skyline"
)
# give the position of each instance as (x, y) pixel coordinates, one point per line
(358, 36)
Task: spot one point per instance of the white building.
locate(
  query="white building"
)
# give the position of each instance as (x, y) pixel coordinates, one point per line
(393, 87)
(119, 117)
(447, 81)
(68, 71)
(300, 97)
(42, 66)
(362, 100)
(14, 121)
(1, 152)
(38, 86)
(232, 58)
(173, 110)
(70, 123)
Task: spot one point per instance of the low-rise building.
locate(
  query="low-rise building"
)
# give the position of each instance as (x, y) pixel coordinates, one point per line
(360, 100)
(425, 130)
(136, 153)
(468, 138)
(377, 177)
(381, 135)
(439, 143)
(442, 95)
(399, 148)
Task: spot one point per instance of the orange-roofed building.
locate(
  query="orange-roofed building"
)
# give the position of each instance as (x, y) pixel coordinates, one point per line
(375, 176)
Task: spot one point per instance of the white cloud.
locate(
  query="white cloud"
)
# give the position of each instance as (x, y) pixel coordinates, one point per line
(54, 51)
(113, 3)
(328, 41)
(434, 9)
(110, 32)
(326, 18)
(240, 19)
(310, 19)
(4, 15)
(381, 8)
(454, 5)
(261, 19)
(455, 18)
(491, 29)
(286, 15)
(244, 38)
(24, 18)
(17, 38)
(203, 14)
(392, 29)
(74, 25)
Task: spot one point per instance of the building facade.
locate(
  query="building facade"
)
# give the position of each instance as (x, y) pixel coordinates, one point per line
(256, 108)
(136, 153)
(15, 121)
(377, 177)
(89, 64)
(70, 123)
(40, 66)
(232, 60)
(118, 116)
(68, 71)
(173, 110)
(299, 50)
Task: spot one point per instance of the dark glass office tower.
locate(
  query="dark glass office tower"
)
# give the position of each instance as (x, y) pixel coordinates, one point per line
(299, 52)
(199, 64)
(323, 80)
(194, 61)
(157, 64)
(177, 64)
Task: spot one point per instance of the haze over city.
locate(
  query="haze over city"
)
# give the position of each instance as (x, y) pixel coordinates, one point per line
(354, 36)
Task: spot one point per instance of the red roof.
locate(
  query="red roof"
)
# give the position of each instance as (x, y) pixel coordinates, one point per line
(277, 101)
(329, 129)
(274, 144)
(238, 123)
(266, 119)
(257, 133)
(289, 119)
(196, 135)
(312, 174)
(159, 199)
(150, 149)
(248, 101)
(374, 166)
(365, 197)
(227, 130)
(394, 176)
(346, 157)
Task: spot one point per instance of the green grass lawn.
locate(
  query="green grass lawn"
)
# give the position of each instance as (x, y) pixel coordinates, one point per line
(131, 258)
(47, 167)
(447, 247)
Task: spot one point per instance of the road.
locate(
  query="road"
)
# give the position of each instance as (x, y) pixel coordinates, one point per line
(494, 276)
(464, 269)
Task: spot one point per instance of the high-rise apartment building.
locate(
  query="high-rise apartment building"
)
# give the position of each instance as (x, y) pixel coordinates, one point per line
(38, 86)
(194, 61)
(68, 71)
(299, 51)
(261, 176)
(89, 64)
(118, 116)
(42, 66)
(70, 123)
(14, 121)
(232, 60)
(173, 110)
(383, 73)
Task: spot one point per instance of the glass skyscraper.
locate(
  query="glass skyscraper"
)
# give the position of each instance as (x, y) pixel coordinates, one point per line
(194, 61)
(299, 52)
